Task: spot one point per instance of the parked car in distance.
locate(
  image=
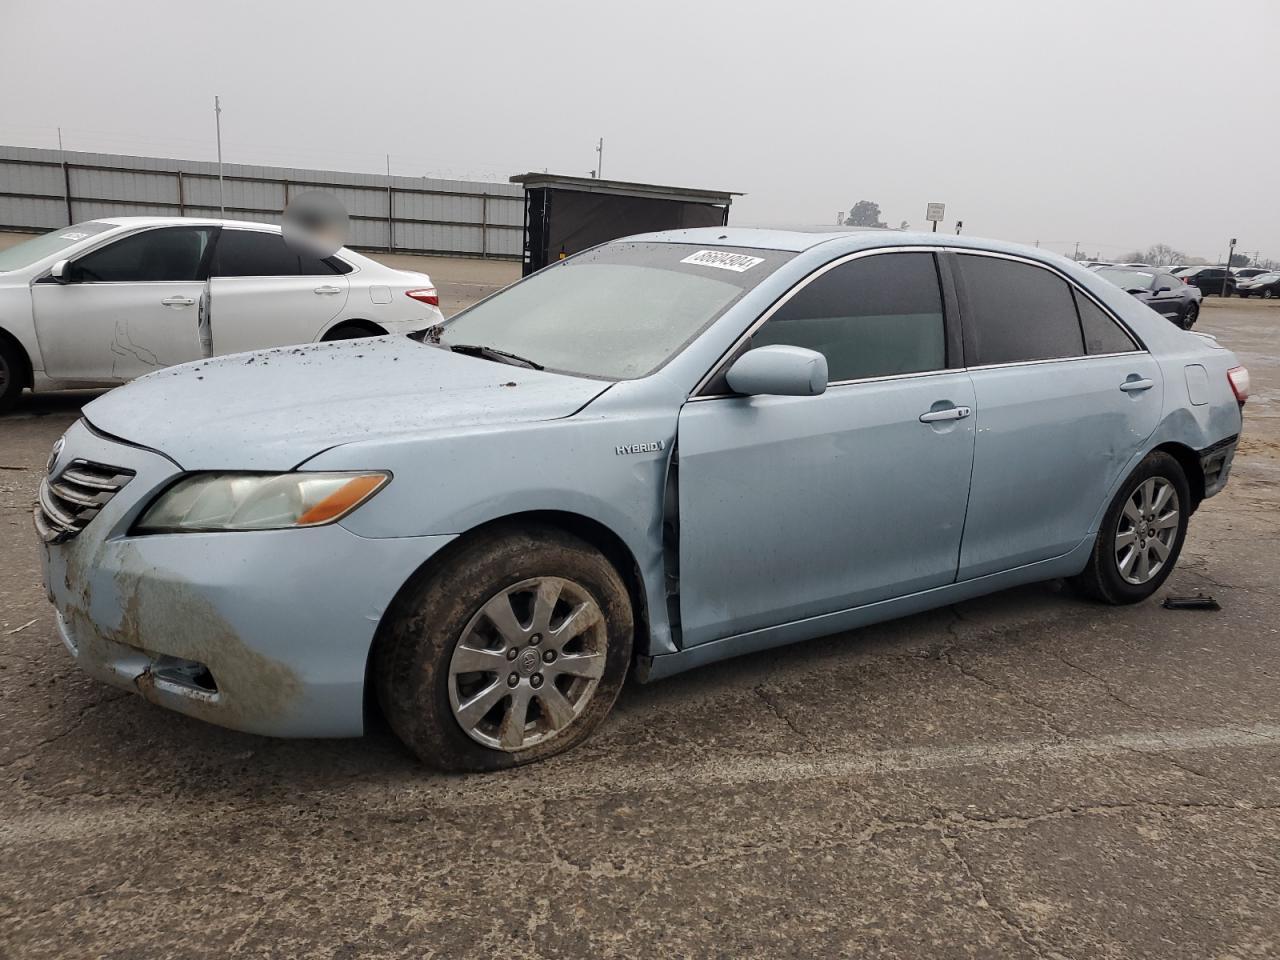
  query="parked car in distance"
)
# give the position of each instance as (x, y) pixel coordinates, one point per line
(99, 303)
(1162, 292)
(1243, 273)
(661, 452)
(1140, 266)
(1094, 264)
(1265, 285)
(1215, 280)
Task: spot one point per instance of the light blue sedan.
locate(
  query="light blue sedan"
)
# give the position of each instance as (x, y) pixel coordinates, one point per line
(662, 452)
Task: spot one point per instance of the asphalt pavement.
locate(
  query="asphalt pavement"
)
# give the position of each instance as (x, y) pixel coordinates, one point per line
(1023, 775)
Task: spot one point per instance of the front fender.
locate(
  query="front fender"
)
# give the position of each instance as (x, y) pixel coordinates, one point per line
(608, 469)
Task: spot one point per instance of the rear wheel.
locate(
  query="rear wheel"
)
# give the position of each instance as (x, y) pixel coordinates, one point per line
(1268, 294)
(1190, 317)
(1141, 535)
(11, 376)
(351, 331)
(512, 651)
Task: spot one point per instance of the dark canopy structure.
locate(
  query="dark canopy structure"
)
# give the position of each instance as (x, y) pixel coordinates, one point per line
(564, 215)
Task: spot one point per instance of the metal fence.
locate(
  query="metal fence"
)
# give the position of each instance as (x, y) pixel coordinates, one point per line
(44, 189)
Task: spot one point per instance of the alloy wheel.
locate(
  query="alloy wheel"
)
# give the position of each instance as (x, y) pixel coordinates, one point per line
(1146, 530)
(528, 663)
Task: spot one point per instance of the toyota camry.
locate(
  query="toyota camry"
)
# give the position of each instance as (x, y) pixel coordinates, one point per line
(659, 453)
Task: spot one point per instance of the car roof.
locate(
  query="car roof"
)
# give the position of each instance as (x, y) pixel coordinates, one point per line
(179, 221)
(848, 240)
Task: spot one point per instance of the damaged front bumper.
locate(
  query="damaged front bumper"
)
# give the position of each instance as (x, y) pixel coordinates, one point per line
(267, 632)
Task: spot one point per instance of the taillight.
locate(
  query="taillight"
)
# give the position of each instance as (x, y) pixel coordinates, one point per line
(1238, 377)
(426, 295)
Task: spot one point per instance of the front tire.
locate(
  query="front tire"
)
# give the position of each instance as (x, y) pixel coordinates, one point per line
(512, 650)
(11, 376)
(1268, 294)
(1141, 535)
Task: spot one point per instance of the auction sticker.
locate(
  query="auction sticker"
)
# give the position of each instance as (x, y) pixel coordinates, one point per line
(72, 236)
(737, 262)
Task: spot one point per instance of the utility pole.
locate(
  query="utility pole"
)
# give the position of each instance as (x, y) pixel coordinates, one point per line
(1226, 281)
(1076, 256)
(66, 178)
(600, 159)
(217, 121)
(959, 227)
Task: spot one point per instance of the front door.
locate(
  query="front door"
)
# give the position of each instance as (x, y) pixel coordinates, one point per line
(264, 294)
(1064, 398)
(792, 507)
(129, 307)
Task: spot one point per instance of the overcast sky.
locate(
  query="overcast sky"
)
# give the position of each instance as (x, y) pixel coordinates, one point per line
(1118, 123)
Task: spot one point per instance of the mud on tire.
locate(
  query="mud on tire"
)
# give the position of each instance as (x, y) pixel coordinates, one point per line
(419, 634)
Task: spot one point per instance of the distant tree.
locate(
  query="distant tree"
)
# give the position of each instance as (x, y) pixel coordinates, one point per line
(904, 225)
(1161, 254)
(1239, 260)
(864, 213)
(1133, 256)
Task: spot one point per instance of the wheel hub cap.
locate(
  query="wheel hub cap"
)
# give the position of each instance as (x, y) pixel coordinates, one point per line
(527, 663)
(1146, 531)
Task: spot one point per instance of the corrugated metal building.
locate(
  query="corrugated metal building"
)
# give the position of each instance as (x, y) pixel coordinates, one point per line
(44, 189)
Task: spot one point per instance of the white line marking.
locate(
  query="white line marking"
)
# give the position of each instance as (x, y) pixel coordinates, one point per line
(399, 790)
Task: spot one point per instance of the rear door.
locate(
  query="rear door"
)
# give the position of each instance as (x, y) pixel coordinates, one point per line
(1065, 397)
(263, 294)
(792, 507)
(130, 306)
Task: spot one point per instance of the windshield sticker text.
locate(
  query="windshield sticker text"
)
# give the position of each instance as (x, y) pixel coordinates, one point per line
(737, 262)
(72, 236)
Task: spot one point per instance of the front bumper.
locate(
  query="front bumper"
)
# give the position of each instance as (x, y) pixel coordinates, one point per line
(267, 632)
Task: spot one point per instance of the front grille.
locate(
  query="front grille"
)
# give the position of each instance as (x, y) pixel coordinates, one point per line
(70, 499)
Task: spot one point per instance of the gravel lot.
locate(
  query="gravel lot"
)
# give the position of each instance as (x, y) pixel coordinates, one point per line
(1025, 775)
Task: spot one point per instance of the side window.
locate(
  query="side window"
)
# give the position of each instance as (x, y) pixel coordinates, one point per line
(1101, 333)
(154, 256)
(1017, 312)
(874, 316)
(253, 253)
(1166, 280)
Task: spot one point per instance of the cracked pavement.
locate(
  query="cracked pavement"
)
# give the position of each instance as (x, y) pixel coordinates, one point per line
(1023, 775)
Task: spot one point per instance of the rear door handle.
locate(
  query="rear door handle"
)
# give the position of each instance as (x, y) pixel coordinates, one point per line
(1132, 386)
(950, 413)
(177, 301)
(328, 290)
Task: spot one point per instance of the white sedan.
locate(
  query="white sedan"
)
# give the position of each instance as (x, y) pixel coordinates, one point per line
(100, 303)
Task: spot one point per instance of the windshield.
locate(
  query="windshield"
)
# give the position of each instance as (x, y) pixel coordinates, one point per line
(37, 248)
(1128, 279)
(619, 311)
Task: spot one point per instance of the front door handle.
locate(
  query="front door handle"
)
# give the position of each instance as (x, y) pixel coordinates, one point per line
(1132, 386)
(950, 413)
(327, 290)
(177, 301)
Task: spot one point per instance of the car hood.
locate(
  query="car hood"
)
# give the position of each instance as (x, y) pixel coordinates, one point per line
(273, 409)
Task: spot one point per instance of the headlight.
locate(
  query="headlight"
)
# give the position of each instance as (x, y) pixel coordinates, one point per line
(257, 501)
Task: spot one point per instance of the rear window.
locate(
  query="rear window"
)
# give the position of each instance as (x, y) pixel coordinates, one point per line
(1017, 312)
(256, 253)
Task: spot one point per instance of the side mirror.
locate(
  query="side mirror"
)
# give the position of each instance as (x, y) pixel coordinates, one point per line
(61, 271)
(1137, 291)
(780, 371)
(1164, 289)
